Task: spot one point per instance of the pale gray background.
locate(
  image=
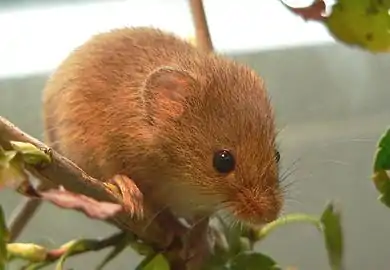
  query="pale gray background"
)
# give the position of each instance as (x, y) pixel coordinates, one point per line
(332, 105)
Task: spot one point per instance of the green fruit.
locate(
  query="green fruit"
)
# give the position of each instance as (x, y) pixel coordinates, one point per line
(362, 23)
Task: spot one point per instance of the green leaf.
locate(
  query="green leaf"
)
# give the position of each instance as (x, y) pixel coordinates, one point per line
(382, 160)
(382, 183)
(12, 173)
(6, 157)
(27, 251)
(215, 262)
(154, 262)
(382, 168)
(4, 238)
(31, 154)
(362, 23)
(253, 261)
(333, 234)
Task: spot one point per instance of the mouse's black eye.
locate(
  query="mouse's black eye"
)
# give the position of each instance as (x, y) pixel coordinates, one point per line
(277, 155)
(224, 161)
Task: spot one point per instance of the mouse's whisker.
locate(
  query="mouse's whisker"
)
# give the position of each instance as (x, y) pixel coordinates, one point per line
(324, 145)
(286, 181)
(283, 214)
(154, 216)
(280, 130)
(225, 215)
(195, 224)
(334, 161)
(344, 141)
(284, 185)
(230, 222)
(290, 167)
(290, 200)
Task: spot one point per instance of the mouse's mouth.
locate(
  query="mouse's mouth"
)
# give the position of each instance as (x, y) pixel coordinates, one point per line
(254, 220)
(256, 210)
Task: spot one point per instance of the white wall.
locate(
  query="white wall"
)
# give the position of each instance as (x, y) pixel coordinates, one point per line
(36, 40)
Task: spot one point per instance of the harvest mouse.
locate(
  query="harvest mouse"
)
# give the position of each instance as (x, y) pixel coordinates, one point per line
(194, 130)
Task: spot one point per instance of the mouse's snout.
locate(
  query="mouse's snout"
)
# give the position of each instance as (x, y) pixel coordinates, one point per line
(257, 207)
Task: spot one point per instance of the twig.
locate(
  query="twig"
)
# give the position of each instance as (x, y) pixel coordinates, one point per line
(21, 216)
(63, 172)
(203, 38)
(113, 240)
(39, 256)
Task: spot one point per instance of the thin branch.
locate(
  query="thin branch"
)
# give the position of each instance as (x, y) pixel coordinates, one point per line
(110, 241)
(203, 38)
(63, 172)
(21, 216)
(39, 256)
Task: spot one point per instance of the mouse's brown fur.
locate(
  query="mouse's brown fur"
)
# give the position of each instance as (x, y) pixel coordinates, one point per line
(144, 103)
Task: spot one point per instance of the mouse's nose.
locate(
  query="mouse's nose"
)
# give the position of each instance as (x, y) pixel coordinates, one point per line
(258, 207)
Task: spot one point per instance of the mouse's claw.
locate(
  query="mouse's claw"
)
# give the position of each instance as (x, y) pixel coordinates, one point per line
(131, 195)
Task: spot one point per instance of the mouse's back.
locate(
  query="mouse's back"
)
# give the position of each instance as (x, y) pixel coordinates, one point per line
(96, 93)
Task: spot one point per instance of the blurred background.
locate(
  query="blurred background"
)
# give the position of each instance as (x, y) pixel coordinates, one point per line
(332, 105)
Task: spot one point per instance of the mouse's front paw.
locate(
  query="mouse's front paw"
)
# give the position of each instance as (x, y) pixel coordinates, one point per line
(131, 195)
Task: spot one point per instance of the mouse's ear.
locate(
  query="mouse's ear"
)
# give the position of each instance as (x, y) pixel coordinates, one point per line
(165, 93)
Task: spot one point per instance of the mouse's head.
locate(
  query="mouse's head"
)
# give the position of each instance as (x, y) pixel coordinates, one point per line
(215, 131)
